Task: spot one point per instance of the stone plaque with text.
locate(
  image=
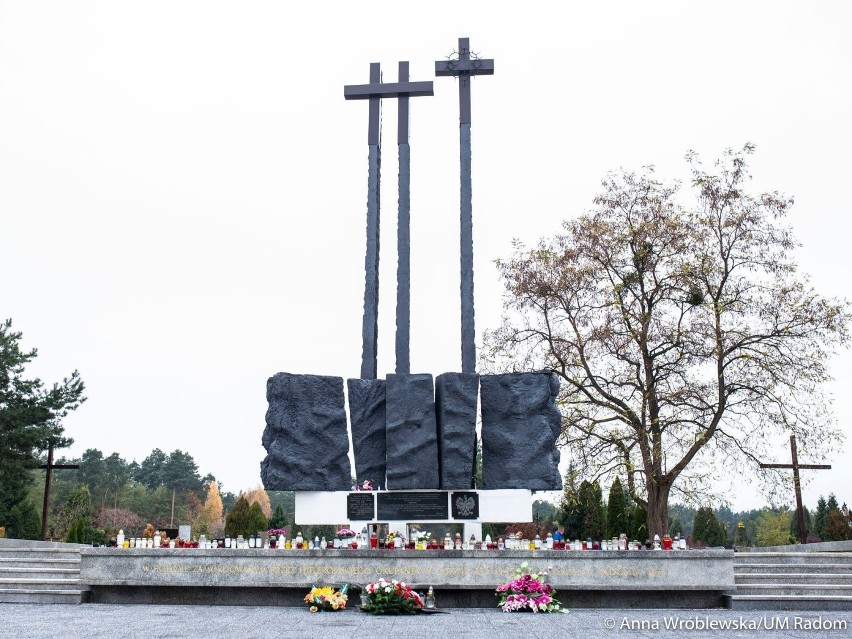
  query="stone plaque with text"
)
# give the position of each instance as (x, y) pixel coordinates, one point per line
(413, 506)
(360, 507)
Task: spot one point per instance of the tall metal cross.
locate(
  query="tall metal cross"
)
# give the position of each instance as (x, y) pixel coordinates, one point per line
(464, 68)
(50, 466)
(374, 92)
(800, 513)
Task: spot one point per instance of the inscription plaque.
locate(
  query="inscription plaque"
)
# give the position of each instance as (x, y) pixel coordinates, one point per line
(413, 506)
(360, 507)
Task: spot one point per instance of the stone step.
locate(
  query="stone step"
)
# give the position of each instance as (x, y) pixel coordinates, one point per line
(36, 563)
(744, 569)
(792, 558)
(40, 572)
(774, 602)
(795, 590)
(40, 584)
(29, 595)
(793, 578)
(46, 553)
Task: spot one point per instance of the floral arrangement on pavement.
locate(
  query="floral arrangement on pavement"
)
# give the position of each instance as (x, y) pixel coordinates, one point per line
(367, 485)
(327, 598)
(345, 533)
(392, 598)
(526, 592)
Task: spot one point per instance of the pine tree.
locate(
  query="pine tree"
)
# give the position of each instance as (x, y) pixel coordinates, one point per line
(257, 521)
(571, 512)
(30, 418)
(616, 510)
(820, 518)
(794, 524)
(279, 519)
(706, 528)
(237, 521)
(594, 523)
(639, 524)
(675, 526)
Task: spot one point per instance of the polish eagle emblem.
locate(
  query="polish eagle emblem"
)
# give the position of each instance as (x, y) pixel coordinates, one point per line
(465, 505)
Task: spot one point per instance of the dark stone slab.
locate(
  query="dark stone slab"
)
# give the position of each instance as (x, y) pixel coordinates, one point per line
(367, 416)
(520, 425)
(455, 411)
(305, 436)
(419, 506)
(412, 435)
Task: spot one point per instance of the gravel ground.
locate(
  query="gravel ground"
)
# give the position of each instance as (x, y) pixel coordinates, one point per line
(99, 621)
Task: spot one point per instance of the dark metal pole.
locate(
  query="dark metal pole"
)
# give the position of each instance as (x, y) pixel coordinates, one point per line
(403, 245)
(370, 327)
(464, 68)
(800, 512)
(46, 493)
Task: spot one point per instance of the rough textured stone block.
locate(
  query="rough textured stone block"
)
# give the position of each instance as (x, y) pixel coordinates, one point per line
(412, 436)
(305, 435)
(367, 416)
(520, 424)
(455, 412)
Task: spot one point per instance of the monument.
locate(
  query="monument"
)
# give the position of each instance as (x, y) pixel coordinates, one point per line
(413, 432)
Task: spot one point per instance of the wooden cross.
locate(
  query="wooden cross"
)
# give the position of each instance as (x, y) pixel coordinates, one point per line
(463, 68)
(50, 466)
(800, 513)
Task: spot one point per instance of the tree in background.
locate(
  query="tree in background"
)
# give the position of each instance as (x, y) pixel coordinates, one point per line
(839, 524)
(237, 522)
(676, 527)
(278, 519)
(820, 518)
(30, 421)
(75, 519)
(707, 529)
(544, 512)
(617, 518)
(257, 521)
(211, 520)
(773, 528)
(684, 339)
(259, 495)
(794, 526)
(594, 522)
(572, 509)
(639, 524)
(24, 521)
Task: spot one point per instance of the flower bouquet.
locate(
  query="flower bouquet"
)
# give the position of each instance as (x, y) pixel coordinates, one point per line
(392, 598)
(527, 592)
(274, 534)
(327, 598)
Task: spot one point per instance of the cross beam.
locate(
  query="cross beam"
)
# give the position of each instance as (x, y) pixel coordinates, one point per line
(463, 68)
(374, 92)
(49, 466)
(800, 513)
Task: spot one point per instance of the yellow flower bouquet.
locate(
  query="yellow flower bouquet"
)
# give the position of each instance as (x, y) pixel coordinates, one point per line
(327, 598)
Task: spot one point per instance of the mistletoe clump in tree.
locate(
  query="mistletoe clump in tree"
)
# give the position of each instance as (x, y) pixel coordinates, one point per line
(686, 342)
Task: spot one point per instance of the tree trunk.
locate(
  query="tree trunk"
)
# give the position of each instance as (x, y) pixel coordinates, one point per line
(658, 509)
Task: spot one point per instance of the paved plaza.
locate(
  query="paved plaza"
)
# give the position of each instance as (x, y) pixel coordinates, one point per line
(98, 621)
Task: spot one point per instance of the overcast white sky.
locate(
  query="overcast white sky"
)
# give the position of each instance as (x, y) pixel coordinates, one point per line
(183, 186)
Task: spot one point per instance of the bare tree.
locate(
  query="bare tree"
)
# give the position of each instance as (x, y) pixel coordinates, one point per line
(684, 338)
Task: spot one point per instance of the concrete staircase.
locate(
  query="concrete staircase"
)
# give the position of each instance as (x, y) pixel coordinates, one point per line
(40, 572)
(792, 581)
